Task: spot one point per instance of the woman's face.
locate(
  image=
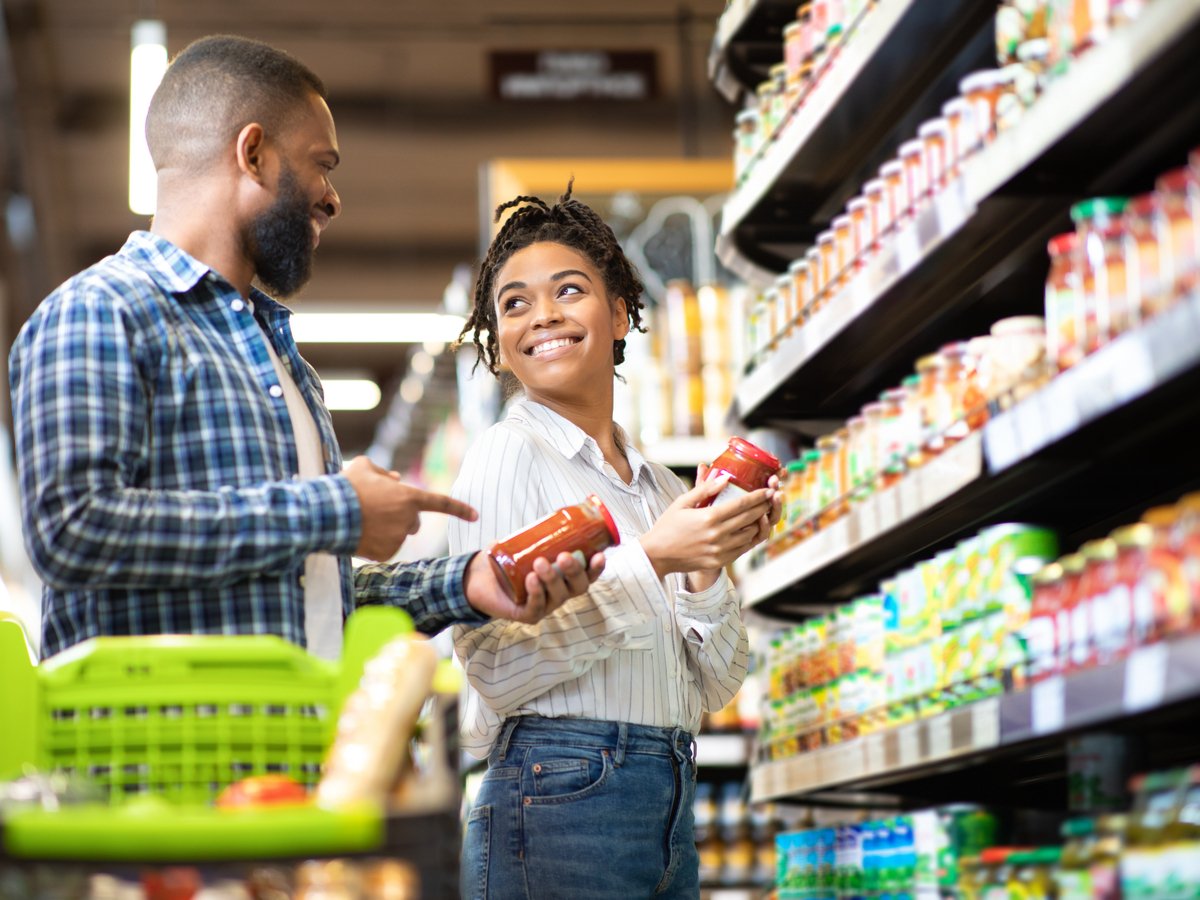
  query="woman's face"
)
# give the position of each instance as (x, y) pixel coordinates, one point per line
(555, 322)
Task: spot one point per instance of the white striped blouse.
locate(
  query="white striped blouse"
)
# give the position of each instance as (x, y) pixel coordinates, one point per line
(634, 648)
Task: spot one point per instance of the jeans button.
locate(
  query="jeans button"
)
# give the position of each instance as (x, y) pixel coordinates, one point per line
(537, 767)
(527, 801)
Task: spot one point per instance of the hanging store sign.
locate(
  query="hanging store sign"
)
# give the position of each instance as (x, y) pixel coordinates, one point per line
(574, 75)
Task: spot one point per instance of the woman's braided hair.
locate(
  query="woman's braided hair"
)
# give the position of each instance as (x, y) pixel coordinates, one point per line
(572, 224)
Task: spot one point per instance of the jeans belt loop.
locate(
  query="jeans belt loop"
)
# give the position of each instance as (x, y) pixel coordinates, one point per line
(622, 738)
(510, 725)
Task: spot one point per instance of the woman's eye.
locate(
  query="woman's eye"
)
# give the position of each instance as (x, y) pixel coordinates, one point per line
(570, 289)
(511, 303)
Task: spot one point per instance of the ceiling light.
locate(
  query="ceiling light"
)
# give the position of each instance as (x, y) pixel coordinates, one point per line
(421, 363)
(374, 328)
(147, 63)
(412, 390)
(350, 393)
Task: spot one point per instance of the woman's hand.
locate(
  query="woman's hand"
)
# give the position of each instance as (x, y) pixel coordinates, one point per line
(702, 540)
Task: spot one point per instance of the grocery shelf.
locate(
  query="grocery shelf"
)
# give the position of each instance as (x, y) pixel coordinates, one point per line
(748, 41)
(1035, 461)
(1124, 112)
(871, 84)
(1161, 678)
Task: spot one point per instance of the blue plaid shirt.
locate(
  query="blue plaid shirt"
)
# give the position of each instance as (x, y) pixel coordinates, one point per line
(158, 466)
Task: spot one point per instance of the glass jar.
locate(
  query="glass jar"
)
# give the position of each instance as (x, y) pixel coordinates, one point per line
(1064, 346)
(911, 417)
(892, 444)
(1034, 56)
(1074, 620)
(798, 272)
(816, 286)
(1106, 857)
(843, 469)
(1165, 578)
(1041, 632)
(1100, 262)
(794, 510)
(875, 193)
(935, 135)
(828, 250)
(829, 480)
(860, 238)
(977, 365)
(1018, 356)
(916, 191)
(749, 468)
(812, 490)
(982, 90)
(746, 142)
(843, 249)
(781, 98)
(1130, 589)
(771, 319)
(582, 530)
(1142, 259)
(961, 137)
(765, 94)
(795, 51)
(858, 484)
(928, 377)
(872, 444)
(1179, 235)
(895, 195)
(952, 422)
(1111, 626)
(785, 304)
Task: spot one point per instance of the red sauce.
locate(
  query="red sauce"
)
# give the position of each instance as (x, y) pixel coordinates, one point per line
(583, 530)
(749, 468)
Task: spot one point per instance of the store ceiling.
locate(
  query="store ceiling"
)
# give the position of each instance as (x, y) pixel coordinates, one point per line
(410, 91)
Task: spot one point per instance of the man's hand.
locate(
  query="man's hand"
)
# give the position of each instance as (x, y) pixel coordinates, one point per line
(391, 509)
(548, 586)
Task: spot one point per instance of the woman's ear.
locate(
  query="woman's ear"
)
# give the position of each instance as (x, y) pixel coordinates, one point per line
(620, 319)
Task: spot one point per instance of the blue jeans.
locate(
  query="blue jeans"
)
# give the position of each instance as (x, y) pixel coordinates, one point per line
(580, 809)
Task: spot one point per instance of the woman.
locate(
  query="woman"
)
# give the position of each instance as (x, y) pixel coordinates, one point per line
(588, 717)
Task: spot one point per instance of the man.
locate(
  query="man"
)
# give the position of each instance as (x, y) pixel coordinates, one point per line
(178, 468)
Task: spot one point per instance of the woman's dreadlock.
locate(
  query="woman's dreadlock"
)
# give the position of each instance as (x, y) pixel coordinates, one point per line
(572, 224)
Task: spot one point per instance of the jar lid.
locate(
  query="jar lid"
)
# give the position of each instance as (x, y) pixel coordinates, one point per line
(1160, 516)
(1033, 49)
(1015, 325)
(894, 395)
(855, 421)
(911, 148)
(797, 265)
(765, 87)
(827, 442)
(1098, 206)
(1143, 205)
(956, 106)
(873, 408)
(856, 204)
(891, 167)
(783, 282)
(1048, 574)
(910, 381)
(797, 465)
(811, 456)
(1139, 535)
(980, 81)
(933, 128)
(955, 348)
(825, 237)
(1174, 181)
(777, 70)
(1061, 244)
(842, 221)
(811, 255)
(613, 532)
(747, 115)
(932, 361)
(874, 186)
(1103, 549)
(792, 28)
(743, 447)
(1073, 563)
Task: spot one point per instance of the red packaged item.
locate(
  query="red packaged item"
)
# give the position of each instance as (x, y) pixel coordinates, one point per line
(582, 530)
(1132, 586)
(1112, 619)
(1041, 633)
(1075, 617)
(1166, 575)
(749, 469)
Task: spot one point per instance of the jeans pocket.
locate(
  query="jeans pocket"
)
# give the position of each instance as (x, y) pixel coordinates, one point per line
(559, 774)
(473, 867)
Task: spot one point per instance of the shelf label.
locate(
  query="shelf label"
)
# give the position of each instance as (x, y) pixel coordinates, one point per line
(985, 723)
(941, 744)
(908, 249)
(910, 745)
(1146, 678)
(875, 753)
(1049, 706)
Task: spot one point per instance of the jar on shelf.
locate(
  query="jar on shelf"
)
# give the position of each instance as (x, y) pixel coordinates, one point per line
(1034, 55)
(1166, 580)
(983, 90)
(1018, 356)
(912, 157)
(1143, 262)
(860, 238)
(895, 195)
(795, 53)
(1075, 619)
(961, 137)
(811, 487)
(1009, 31)
(829, 484)
(928, 379)
(843, 249)
(826, 246)
(781, 97)
(856, 455)
(785, 305)
(816, 285)
(952, 424)
(770, 323)
(1063, 307)
(1133, 544)
(875, 193)
(794, 512)
(1179, 240)
(1100, 261)
(746, 141)
(935, 135)
(1112, 616)
(765, 94)
(798, 273)
(874, 425)
(843, 464)
(1041, 631)
(755, 324)
(911, 417)
(893, 444)
(804, 35)
(818, 26)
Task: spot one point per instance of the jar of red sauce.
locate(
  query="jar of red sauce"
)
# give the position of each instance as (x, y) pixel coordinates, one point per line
(749, 469)
(1166, 577)
(1041, 632)
(1074, 618)
(1111, 616)
(1179, 238)
(1142, 260)
(582, 530)
(1133, 562)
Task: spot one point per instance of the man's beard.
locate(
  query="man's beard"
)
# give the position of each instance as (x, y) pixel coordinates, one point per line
(279, 241)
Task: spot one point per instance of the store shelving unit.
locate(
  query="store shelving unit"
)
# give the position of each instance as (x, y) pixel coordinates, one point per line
(1085, 452)
(748, 41)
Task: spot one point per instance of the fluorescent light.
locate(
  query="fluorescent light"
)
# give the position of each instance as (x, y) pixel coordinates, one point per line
(421, 363)
(412, 390)
(147, 63)
(350, 393)
(374, 328)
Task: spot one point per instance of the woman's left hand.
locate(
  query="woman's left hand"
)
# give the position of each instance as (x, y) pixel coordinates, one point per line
(706, 578)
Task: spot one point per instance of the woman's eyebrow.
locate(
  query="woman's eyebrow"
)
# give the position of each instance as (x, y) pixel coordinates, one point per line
(559, 276)
(512, 286)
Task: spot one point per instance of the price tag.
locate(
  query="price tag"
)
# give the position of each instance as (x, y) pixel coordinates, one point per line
(1001, 443)
(985, 723)
(1049, 706)
(910, 745)
(1146, 677)
(908, 494)
(873, 750)
(941, 744)
(950, 208)
(908, 249)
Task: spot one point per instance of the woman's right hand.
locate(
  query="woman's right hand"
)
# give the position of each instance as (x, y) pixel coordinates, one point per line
(689, 537)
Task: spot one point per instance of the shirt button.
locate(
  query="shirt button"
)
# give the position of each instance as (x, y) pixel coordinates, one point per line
(275, 390)
(237, 305)
(301, 581)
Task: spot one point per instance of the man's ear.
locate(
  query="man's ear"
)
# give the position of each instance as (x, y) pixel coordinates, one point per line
(251, 144)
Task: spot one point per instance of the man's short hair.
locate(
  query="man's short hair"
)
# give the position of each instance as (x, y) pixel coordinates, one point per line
(214, 88)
